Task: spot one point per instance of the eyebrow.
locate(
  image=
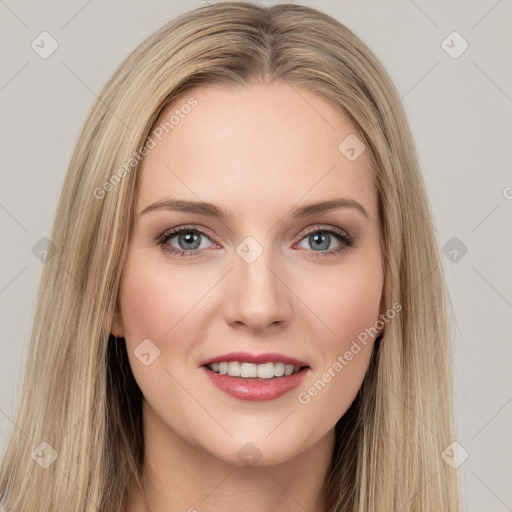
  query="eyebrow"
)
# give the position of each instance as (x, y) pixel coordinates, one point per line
(210, 210)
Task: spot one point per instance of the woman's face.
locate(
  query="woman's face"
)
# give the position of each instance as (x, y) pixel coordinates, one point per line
(275, 276)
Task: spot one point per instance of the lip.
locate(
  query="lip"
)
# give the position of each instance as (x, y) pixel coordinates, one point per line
(256, 390)
(248, 357)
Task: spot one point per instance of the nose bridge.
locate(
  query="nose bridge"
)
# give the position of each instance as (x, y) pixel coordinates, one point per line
(257, 297)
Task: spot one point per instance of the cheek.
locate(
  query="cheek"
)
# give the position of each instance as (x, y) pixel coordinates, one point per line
(346, 301)
(157, 305)
(347, 304)
(153, 300)
(354, 307)
(145, 307)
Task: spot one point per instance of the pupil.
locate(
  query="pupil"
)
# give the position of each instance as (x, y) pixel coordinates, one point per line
(320, 239)
(190, 238)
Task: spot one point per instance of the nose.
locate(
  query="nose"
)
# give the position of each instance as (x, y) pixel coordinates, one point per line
(258, 294)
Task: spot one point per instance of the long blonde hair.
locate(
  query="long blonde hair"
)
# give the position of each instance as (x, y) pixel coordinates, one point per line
(78, 392)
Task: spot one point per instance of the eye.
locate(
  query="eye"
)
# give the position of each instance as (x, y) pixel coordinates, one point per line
(188, 239)
(321, 239)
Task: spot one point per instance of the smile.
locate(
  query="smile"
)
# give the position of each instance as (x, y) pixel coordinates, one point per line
(254, 371)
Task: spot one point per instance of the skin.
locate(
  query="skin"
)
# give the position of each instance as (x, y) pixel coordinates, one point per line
(255, 150)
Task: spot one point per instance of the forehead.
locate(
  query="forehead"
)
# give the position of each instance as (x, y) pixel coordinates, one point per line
(250, 147)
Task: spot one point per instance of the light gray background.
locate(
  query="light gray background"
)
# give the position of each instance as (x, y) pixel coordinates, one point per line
(460, 113)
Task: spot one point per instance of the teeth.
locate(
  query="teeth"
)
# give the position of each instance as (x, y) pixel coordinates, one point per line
(279, 369)
(266, 371)
(234, 369)
(250, 370)
(246, 370)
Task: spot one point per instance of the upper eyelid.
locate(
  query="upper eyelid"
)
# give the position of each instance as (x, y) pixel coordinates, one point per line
(324, 227)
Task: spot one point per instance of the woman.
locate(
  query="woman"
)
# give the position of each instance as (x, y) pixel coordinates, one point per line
(296, 355)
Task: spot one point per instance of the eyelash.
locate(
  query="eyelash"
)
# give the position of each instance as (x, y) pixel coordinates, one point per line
(347, 240)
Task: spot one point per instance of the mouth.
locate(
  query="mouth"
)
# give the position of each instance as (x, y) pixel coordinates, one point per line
(249, 376)
(256, 377)
(256, 372)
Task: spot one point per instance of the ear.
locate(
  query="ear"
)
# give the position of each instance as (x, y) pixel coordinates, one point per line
(382, 312)
(382, 308)
(117, 328)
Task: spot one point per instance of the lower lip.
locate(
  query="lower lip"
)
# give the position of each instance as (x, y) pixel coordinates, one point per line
(257, 390)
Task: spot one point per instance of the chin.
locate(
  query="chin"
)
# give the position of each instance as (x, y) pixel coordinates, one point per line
(259, 449)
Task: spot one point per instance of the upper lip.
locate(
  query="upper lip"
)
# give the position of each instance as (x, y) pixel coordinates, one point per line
(248, 357)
